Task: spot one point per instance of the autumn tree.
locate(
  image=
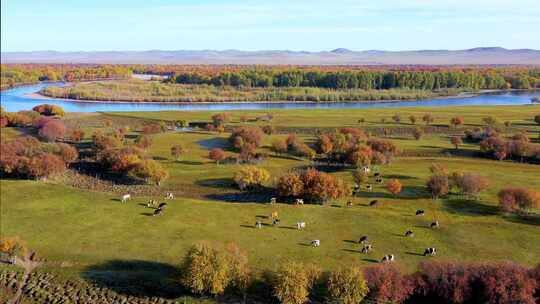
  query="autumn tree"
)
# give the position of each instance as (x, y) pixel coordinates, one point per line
(150, 170)
(290, 184)
(387, 284)
(412, 119)
(438, 185)
(456, 141)
(249, 177)
(53, 130)
(143, 141)
(206, 270)
(68, 153)
(394, 187)
(216, 154)
(396, 118)
(279, 146)
(456, 121)
(428, 119)
(45, 165)
(268, 130)
(49, 110)
(471, 184)
(220, 119)
(347, 285)
(418, 133)
(13, 246)
(76, 135)
(177, 151)
(294, 281)
(518, 199)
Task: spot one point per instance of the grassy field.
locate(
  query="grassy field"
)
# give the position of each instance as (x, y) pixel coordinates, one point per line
(81, 231)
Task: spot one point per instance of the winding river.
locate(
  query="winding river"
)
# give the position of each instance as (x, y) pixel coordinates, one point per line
(21, 99)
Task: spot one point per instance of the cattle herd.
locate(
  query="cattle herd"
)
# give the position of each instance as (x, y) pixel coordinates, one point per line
(274, 218)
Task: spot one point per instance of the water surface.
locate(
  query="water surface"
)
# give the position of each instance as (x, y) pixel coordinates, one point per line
(17, 99)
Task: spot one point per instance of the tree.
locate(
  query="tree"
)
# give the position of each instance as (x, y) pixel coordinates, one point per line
(279, 146)
(470, 184)
(320, 186)
(438, 169)
(490, 121)
(220, 119)
(396, 118)
(177, 151)
(206, 270)
(76, 135)
(537, 119)
(347, 285)
(294, 281)
(249, 177)
(143, 141)
(246, 135)
(67, 152)
(240, 272)
(518, 199)
(456, 121)
(387, 284)
(149, 169)
(44, 165)
(49, 110)
(268, 130)
(290, 184)
(438, 185)
(325, 144)
(152, 128)
(418, 133)
(456, 141)
(216, 154)
(412, 119)
(53, 130)
(13, 246)
(428, 119)
(394, 187)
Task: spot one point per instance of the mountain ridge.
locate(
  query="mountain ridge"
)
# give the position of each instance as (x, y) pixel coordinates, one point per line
(338, 56)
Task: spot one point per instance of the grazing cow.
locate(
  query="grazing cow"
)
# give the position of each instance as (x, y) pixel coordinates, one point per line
(430, 251)
(274, 215)
(316, 243)
(349, 204)
(275, 221)
(258, 225)
(379, 180)
(387, 258)
(373, 202)
(367, 248)
(363, 239)
(377, 174)
(273, 200)
(435, 224)
(366, 169)
(126, 197)
(151, 203)
(420, 212)
(356, 187)
(158, 212)
(301, 225)
(299, 201)
(162, 206)
(369, 187)
(169, 195)
(409, 233)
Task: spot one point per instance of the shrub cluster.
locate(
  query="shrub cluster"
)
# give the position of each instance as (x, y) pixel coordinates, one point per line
(312, 185)
(27, 157)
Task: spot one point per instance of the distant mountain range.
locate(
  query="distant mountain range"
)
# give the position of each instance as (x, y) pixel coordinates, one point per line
(340, 56)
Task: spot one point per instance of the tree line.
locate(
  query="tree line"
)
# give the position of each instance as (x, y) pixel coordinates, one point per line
(367, 79)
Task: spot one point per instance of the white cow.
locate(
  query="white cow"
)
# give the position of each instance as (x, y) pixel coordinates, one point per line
(299, 201)
(169, 195)
(273, 200)
(388, 258)
(366, 169)
(126, 197)
(301, 225)
(316, 243)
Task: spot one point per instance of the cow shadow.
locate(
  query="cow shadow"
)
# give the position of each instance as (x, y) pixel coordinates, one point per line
(147, 214)
(248, 226)
(288, 227)
(352, 250)
(413, 253)
(350, 241)
(136, 278)
(532, 219)
(370, 260)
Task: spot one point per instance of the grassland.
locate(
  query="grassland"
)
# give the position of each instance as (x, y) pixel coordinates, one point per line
(91, 232)
(151, 91)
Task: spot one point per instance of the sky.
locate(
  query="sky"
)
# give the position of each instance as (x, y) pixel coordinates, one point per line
(308, 25)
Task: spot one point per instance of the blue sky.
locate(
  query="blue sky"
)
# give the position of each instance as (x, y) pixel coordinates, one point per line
(310, 25)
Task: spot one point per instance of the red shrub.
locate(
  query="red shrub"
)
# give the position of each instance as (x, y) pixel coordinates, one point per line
(216, 155)
(152, 128)
(44, 165)
(67, 152)
(41, 121)
(387, 284)
(53, 130)
(248, 135)
(445, 282)
(505, 283)
(518, 199)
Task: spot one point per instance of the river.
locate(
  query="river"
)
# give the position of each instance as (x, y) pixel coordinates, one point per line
(20, 99)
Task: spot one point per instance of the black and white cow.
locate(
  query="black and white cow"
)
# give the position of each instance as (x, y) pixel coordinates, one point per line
(420, 212)
(367, 248)
(388, 258)
(430, 251)
(435, 224)
(373, 202)
(409, 233)
(363, 239)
